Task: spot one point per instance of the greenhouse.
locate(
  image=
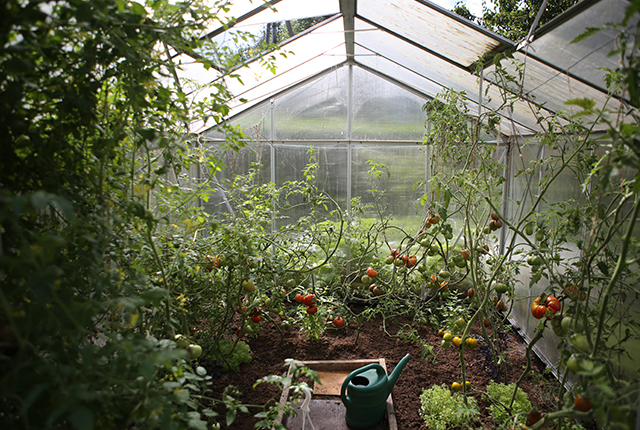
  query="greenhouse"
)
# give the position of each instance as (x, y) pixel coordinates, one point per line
(335, 214)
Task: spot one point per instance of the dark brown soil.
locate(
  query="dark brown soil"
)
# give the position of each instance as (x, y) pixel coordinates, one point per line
(269, 352)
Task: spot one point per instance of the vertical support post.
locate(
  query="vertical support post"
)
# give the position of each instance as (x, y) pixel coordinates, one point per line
(272, 167)
(349, 159)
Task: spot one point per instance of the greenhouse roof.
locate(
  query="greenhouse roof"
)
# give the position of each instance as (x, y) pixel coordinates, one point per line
(425, 48)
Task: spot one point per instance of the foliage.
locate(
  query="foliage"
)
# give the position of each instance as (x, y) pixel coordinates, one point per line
(513, 19)
(441, 410)
(233, 354)
(500, 397)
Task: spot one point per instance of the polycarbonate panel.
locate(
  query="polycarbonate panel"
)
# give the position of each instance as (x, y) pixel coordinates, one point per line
(431, 28)
(587, 57)
(236, 163)
(384, 111)
(409, 77)
(255, 123)
(306, 56)
(416, 59)
(286, 10)
(192, 74)
(407, 165)
(331, 178)
(317, 110)
(552, 89)
(512, 123)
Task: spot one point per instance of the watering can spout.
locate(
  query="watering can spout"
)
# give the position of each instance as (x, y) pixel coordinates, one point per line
(396, 373)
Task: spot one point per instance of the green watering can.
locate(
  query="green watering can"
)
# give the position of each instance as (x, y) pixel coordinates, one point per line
(364, 393)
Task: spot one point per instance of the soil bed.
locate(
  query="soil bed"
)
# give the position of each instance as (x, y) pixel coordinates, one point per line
(269, 355)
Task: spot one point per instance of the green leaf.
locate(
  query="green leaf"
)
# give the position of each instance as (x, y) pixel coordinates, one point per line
(231, 417)
(584, 103)
(137, 9)
(588, 32)
(154, 295)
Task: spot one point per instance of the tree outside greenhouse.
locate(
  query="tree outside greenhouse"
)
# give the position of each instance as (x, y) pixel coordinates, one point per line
(143, 264)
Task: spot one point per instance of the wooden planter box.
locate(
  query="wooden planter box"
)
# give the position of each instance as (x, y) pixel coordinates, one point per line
(326, 409)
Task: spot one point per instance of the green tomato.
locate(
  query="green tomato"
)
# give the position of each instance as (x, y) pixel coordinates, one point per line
(579, 342)
(444, 274)
(460, 322)
(389, 260)
(500, 288)
(539, 235)
(445, 343)
(195, 351)
(573, 363)
(529, 229)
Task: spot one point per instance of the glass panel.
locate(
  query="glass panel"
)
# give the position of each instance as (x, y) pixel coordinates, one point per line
(237, 163)
(284, 10)
(317, 110)
(383, 111)
(429, 74)
(429, 27)
(416, 59)
(291, 160)
(552, 89)
(407, 165)
(586, 57)
(256, 123)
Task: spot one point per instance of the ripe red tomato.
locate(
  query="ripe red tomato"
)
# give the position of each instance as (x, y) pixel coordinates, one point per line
(299, 298)
(371, 272)
(312, 309)
(338, 321)
(582, 403)
(411, 261)
(471, 293)
(434, 219)
(309, 299)
(465, 254)
(395, 253)
(538, 311)
(256, 318)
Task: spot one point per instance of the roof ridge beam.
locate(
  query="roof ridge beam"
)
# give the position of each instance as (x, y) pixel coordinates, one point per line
(348, 9)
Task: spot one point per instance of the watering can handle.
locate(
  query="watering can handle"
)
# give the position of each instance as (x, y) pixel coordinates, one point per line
(343, 396)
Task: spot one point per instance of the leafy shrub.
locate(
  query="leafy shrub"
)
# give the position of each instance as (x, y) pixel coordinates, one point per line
(502, 393)
(232, 354)
(441, 410)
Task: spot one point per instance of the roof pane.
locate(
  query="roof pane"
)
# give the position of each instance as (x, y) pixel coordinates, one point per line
(286, 10)
(382, 111)
(550, 88)
(586, 58)
(317, 110)
(464, 43)
(306, 56)
(414, 58)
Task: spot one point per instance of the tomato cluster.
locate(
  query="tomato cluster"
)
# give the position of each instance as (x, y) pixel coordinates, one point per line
(550, 307)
